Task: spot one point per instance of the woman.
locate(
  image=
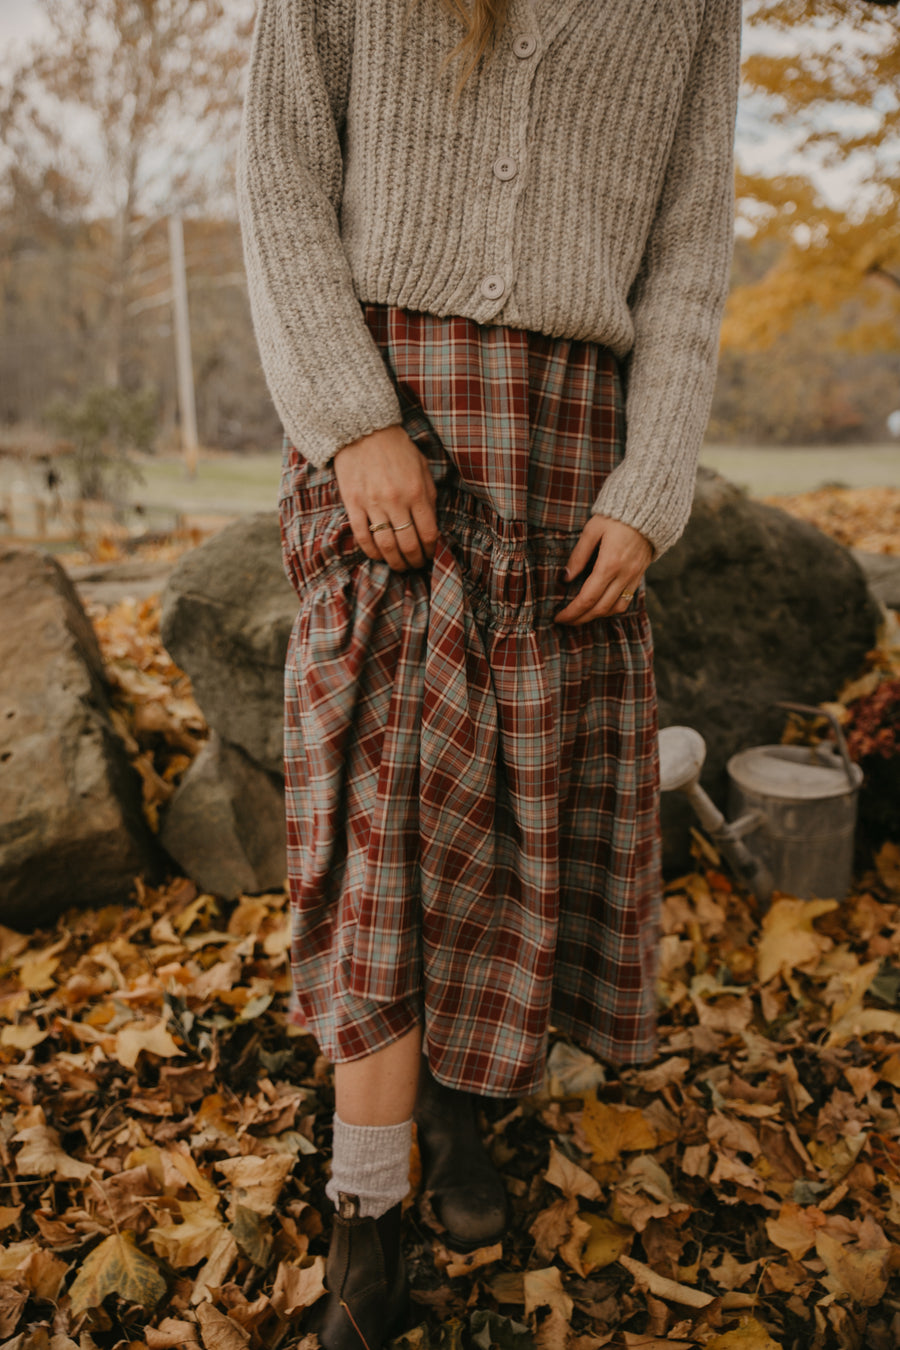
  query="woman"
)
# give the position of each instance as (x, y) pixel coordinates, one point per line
(487, 299)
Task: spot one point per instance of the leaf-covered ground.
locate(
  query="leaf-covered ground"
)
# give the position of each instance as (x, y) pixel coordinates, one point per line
(164, 1131)
(164, 1135)
(866, 518)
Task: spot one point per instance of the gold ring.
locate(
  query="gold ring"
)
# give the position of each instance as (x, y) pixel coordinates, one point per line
(385, 525)
(627, 595)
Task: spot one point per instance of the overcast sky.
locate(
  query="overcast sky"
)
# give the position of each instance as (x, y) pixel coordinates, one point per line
(760, 146)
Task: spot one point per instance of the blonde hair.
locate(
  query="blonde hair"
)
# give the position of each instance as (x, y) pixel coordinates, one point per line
(484, 21)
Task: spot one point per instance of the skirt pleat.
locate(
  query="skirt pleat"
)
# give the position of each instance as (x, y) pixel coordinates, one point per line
(472, 790)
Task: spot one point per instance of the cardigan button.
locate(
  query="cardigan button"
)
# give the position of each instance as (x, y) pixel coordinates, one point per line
(524, 45)
(493, 286)
(505, 168)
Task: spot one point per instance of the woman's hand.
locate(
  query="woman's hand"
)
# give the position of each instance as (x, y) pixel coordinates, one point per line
(384, 479)
(623, 556)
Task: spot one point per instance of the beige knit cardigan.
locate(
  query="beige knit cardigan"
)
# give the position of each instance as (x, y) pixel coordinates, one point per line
(581, 187)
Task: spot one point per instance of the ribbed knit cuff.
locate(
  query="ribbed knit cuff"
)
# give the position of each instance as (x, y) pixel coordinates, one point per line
(372, 1162)
(661, 520)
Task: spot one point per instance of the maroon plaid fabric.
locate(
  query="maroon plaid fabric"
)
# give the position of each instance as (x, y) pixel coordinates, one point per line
(472, 789)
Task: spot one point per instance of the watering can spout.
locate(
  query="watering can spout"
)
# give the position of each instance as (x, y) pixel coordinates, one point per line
(682, 751)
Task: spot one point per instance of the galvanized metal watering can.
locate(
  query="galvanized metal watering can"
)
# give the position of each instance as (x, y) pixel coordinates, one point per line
(795, 804)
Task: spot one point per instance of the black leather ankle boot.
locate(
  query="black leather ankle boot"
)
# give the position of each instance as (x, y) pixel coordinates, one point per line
(365, 1276)
(467, 1192)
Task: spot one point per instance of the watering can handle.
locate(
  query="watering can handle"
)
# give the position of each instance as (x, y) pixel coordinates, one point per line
(838, 731)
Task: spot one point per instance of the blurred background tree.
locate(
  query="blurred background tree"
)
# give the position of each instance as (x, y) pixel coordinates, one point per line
(841, 90)
(151, 86)
(103, 423)
(126, 111)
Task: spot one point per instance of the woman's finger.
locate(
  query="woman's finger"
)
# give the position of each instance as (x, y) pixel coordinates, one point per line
(425, 519)
(387, 488)
(411, 539)
(407, 542)
(596, 596)
(603, 610)
(597, 600)
(386, 541)
(359, 524)
(623, 555)
(626, 596)
(587, 542)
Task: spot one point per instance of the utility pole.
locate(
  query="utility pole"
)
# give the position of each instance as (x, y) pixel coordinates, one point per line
(186, 405)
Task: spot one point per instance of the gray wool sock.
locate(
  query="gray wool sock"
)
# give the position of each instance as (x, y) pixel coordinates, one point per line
(371, 1161)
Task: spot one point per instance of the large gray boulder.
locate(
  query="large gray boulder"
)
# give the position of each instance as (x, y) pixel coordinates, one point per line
(750, 606)
(225, 823)
(227, 613)
(72, 831)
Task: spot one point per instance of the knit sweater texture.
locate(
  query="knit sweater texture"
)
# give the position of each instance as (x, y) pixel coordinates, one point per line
(582, 187)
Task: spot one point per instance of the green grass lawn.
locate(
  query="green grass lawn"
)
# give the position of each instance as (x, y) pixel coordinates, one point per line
(230, 484)
(223, 483)
(768, 470)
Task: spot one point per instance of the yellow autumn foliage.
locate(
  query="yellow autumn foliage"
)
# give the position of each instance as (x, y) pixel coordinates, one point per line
(828, 256)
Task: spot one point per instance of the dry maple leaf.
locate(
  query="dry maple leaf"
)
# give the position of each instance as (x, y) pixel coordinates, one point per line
(731, 1274)
(137, 1038)
(219, 1331)
(644, 1193)
(796, 1227)
(553, 1226)
(175, 1167)
(661, 1075)
(612, 1130)
(859, 1270)
(15, 1257)
(298, 1287)
(43, 1273)
(572, 1248)
(36, 970)
(256, 1182)
(865, 1022)
(189, 1242)
(788, 938)
(43, 1155)
(12, 1305)
(663, 1287)
(605, 1242)
(24, 1036)
(544, 1289)
(571, 1071)
(117, 1266)
(252, 1235)
(127, 1197)
(569, 1177)
(9, 1214)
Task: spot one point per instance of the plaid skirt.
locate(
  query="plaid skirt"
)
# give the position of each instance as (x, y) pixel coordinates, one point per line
(472, 790)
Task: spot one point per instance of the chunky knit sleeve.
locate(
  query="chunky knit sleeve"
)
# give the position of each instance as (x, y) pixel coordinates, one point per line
(325, 373)
(678, 297)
